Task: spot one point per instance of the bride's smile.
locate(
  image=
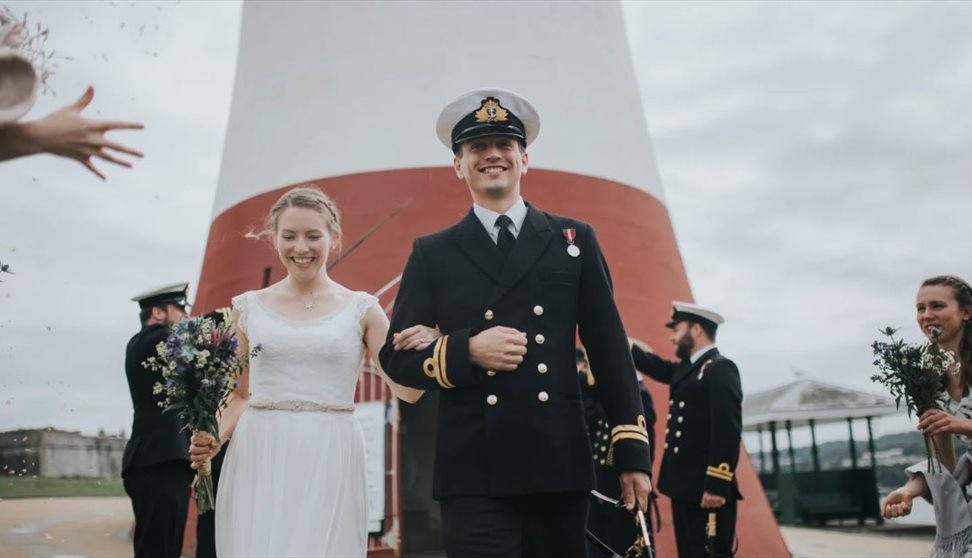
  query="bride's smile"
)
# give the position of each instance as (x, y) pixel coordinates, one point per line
(303, 242)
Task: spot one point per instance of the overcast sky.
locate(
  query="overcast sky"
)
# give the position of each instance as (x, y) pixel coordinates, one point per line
(816, 160)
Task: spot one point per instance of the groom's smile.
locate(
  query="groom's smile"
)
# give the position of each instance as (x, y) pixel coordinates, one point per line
(493, 170)
(491, 165)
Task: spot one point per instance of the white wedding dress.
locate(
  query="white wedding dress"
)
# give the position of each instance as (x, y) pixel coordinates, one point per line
(293, 480)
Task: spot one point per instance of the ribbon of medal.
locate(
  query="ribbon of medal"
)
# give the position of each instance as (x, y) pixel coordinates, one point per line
(572, 249)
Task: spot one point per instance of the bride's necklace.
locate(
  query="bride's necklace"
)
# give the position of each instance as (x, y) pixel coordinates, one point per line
(309, 302)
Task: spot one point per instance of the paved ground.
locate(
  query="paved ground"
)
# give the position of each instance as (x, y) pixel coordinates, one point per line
(98, 527)
(65, 527)
(819, 543)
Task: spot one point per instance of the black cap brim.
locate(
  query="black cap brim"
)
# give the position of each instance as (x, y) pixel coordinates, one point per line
(163, 300)
(690, 318)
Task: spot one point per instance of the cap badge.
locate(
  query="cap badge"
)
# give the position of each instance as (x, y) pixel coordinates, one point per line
(491, 111)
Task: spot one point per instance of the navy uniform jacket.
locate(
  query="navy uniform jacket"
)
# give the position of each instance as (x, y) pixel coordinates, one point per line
(704, 424)
(519, 432)
(156, 437)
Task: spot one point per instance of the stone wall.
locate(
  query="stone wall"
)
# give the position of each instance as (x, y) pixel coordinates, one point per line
(54, 453)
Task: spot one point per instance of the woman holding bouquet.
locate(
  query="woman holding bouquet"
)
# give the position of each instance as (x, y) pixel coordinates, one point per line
(944, 312)
(293, 479)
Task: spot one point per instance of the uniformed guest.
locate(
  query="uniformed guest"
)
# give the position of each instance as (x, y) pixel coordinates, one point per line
(698, 469)
(206, 522)
(611, 526)
(155, 465)
(508, 286)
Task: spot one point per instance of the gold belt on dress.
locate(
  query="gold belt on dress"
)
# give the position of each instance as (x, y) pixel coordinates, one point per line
(300, 406)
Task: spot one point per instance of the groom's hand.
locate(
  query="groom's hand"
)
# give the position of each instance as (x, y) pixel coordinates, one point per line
(498, 348)
(712, 501)
(635, 483)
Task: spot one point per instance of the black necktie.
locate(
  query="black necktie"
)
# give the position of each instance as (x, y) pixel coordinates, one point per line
(505, 239)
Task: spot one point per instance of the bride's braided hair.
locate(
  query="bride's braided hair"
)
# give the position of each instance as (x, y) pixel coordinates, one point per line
(963, 295)
(308, 196)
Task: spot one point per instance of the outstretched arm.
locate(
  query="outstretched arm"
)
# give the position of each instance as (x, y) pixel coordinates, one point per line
(898, 502)
(66, 133)
(650, 364)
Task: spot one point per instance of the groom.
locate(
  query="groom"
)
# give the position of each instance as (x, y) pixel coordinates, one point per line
(508, 286)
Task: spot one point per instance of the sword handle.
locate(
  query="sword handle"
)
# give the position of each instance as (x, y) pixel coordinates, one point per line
(710, 528)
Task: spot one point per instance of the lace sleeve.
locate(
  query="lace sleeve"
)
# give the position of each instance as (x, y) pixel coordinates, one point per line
(363, 301)
(241, 306)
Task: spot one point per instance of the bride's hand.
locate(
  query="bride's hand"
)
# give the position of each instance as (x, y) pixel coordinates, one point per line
(897, 504)
(415, 338)
(202, 446)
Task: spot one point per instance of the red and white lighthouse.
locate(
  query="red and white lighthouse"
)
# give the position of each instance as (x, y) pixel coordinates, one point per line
(345, 95)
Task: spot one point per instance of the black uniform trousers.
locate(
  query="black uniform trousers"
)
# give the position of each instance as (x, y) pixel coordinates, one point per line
(160, 501)
(690, 521)
(206, 522)
(528, 526)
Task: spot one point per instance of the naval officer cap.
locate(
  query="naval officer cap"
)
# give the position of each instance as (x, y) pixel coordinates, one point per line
(177, 294)
(487, 112)
(688, 312)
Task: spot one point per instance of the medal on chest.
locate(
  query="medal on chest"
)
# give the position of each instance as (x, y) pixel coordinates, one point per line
(572, 249)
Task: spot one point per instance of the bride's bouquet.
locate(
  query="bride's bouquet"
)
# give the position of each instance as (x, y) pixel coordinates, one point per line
(200, 367)
(915, 373)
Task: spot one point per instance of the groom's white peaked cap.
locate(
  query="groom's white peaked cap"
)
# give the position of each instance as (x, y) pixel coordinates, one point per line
(487, 112)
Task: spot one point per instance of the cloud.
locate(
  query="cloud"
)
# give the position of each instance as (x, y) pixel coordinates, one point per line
(81, 248)
(815, 161)
(814, 156)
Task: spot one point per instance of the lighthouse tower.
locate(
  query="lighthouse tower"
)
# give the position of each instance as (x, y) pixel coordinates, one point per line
(345, 95)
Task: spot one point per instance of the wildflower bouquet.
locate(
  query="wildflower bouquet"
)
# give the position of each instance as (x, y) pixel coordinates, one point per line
(915, 373)
(200, 366)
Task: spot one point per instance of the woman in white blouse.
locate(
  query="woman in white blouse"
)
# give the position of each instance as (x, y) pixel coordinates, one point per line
(944, 312)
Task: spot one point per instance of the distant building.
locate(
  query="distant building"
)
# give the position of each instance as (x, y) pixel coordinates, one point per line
(54, 453)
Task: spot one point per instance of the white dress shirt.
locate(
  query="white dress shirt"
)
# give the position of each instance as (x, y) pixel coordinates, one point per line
(487, 217)
(698, 354)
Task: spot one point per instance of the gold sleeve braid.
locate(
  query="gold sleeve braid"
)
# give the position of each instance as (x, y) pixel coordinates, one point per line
(637, 432)
(722, 472)
(435, 366)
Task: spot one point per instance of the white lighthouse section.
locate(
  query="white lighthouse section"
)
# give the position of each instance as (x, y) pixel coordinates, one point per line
(334, 88)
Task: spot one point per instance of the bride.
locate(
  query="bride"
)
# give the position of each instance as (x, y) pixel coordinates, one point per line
(293, 481)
